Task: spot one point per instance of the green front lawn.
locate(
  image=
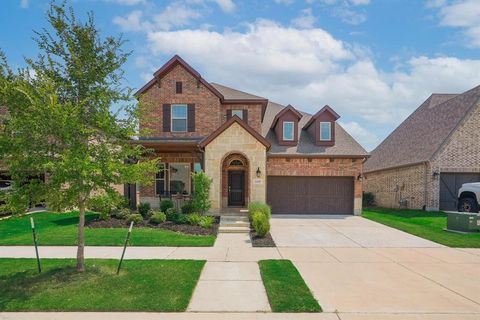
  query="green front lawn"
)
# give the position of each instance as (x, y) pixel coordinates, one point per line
(60, 229)
(425, 224)
(143, 285)
(286, 289)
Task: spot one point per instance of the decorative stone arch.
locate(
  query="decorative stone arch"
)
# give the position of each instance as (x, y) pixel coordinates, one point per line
(232, 163)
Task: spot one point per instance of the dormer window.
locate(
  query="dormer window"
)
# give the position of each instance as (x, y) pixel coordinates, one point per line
(285, 126)
(321, 127)
(288, 129)
(325, 131)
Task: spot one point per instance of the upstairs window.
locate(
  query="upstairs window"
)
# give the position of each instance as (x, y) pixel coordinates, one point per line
(238, 113)
(179, 118)
(288, 127)
(325, 131)
(178, 87)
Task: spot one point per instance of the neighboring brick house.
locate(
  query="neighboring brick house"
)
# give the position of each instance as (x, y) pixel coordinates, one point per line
(423, 162)
(253, 149)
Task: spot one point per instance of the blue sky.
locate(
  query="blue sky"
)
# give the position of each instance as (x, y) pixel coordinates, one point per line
(373, 61)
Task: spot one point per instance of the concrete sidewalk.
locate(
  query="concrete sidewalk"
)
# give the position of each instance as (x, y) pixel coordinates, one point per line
(230, 316)
(196, 253)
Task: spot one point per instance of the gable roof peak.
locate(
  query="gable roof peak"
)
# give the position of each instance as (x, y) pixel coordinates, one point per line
(326, 108)
(227, 124)
(177, 60)
(288, 108)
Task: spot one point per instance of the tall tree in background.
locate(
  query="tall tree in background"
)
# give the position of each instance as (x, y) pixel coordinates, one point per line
(59, 124)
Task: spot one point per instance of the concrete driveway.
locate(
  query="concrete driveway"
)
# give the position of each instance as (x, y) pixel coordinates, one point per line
(354, 265)
(340, 231)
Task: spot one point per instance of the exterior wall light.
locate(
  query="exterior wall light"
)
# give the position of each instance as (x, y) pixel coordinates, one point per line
(259, 173)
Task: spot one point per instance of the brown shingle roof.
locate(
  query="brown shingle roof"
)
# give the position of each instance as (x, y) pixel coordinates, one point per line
(419, 137)
(345, 145)
(234, 94)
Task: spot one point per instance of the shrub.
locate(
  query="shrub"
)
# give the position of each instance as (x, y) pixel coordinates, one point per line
(166, 204)
(188, 207)
(260, 224)
(104, 216)
(143, 208)
(194, 219)
(368, 199)
(158, 217)
(201, 186)
(136, 218)
(148, 214)
(206, 222)
(106, 203)
(182, 219)
(122, 213)
(172, 214)
(254, 207)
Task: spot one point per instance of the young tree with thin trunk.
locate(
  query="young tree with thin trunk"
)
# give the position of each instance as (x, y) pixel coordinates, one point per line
(59, 123)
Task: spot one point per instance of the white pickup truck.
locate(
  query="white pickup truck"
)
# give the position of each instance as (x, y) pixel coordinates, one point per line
(468, 197)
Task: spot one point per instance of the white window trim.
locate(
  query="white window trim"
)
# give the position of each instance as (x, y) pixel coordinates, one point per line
(293, 130)
(164, 179)
(241, 113)
(330, 131)
(172, 118)
(189, 179)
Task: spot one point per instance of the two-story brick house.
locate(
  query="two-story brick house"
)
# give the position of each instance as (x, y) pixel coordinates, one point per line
(253, 149)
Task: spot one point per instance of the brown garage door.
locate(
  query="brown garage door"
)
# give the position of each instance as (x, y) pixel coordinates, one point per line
(449, 185)
(310, 195)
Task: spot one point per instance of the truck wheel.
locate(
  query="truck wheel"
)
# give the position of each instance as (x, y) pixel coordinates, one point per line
(467, 205)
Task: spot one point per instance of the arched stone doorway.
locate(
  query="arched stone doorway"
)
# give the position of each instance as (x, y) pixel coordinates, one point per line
(235, 180)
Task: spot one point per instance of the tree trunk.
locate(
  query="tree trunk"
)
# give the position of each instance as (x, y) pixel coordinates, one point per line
(81, 240)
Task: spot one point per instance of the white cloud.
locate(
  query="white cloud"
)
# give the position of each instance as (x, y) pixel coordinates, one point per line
(305, 20)
(287, 2)
(368, 139)
(349, 16)
(360, 2)
(226, 5)
(464, 14)
(175, 15)
(24, 4)
(310, 68)
(132, 22)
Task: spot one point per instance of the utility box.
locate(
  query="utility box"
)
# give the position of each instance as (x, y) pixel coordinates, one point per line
(463, 221)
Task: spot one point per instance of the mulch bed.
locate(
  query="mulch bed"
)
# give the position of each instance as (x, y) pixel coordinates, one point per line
(257, 241)
(167, 225)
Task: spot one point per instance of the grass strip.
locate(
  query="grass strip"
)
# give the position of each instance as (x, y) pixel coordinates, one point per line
(286, 289)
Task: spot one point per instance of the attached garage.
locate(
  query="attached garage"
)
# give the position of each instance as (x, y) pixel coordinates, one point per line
(450, 183)
(310, 195)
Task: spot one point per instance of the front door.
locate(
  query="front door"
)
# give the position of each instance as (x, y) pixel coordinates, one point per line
(236, 188)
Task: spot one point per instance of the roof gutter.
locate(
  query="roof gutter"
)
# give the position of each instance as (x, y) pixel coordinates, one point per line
(399, 166)
(313, 156)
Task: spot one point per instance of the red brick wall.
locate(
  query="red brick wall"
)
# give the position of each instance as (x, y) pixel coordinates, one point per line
(254, 114)
(317, 167)
(209, 112)
(207, 105)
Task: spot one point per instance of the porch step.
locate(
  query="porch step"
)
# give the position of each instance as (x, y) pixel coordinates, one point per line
(234, 224)
(234, 229)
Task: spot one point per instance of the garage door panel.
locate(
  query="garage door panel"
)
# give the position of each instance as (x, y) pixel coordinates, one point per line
(450, 183)
(310, 195)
